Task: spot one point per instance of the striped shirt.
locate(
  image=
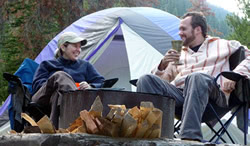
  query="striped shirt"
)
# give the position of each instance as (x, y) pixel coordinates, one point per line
(211, 58)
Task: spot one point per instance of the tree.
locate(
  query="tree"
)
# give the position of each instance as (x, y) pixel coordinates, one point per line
(240, 25)
(202, 6)
(26, 26)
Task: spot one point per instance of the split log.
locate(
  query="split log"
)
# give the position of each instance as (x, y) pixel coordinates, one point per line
(90, 124)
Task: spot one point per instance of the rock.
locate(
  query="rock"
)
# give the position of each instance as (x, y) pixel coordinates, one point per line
(66, 139)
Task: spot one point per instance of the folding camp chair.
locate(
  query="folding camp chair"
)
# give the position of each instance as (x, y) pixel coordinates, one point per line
(240, 103)
(21, 97)
(243, 87)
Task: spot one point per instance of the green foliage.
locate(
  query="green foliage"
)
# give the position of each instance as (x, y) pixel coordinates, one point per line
(240, 25)
(10, 58)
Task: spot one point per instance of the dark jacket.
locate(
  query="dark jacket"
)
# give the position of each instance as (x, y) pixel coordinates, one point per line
(79, 70)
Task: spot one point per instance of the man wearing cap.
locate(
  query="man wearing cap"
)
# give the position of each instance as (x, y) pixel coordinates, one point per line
(62, 74)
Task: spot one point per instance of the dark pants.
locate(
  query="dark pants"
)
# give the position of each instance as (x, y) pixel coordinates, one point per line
(191, 102)
(49, 94)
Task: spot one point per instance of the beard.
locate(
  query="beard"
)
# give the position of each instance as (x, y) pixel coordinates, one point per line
(189, 39)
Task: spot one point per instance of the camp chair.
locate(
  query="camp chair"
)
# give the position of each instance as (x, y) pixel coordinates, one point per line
(241, 104)
(20, 88)
(211, 115)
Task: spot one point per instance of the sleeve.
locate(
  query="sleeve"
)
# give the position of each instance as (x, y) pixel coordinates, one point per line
(168, 74)
(93, 77)
(40, 77)
(244, 67)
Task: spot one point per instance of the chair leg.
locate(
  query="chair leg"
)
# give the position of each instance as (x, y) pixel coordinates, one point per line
(215, 132)
(223, 128)
(177, 126)
(245, 112)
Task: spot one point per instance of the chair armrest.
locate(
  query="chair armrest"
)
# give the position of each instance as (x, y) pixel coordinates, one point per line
(232, 76)
(109, 82)
(133, 82)
(10, 77)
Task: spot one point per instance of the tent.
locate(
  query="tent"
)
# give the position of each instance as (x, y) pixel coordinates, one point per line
(122, 42)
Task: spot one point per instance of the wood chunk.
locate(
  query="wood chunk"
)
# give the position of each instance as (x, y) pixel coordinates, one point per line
(135, 112)
(145, 108)
(46, 125)
(146, 104)
(129, 124)
(141, 129)
(107, 127)
(77, 123)
(90, 124)
(29, 119)
(111, 114)
(111, 106)
(61, 130)
(80, 129)
(31, 129)
(12, 132)
(148, 132)
(151, 118)
(159, 115)
(96, 108)
(99, 124)
(118, 117)
(156, 132)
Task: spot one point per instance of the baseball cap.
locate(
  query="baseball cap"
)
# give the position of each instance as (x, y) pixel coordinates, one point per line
(70, 37)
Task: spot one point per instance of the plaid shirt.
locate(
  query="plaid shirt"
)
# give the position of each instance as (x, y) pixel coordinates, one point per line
(211, 58)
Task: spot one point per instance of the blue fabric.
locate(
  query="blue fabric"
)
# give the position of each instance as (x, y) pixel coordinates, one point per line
(25, 72)
(79, 70)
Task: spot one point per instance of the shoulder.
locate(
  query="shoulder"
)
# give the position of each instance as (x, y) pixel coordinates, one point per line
(83, 62)
(49, 62)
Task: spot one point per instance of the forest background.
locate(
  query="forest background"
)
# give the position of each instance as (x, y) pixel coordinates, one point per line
(26, 26)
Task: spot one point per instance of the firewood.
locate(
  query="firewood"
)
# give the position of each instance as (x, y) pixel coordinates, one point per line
(29, 119)
(12, 132)
(80, 129)
(155, 131)
(141, 129)
(117, 106)
(151, 118)
(77, 123)
(31, 129)
(159, 115)
(117, 119)
(129, 124)
(107, 127)
(46, 125)
(147, 104)
(145, 108)
(135, 112)
(111, 114)
(96, 108)
(90, 124)
(61, 130)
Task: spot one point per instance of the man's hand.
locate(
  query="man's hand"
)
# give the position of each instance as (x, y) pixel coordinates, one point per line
(228, 86)
(84, 85)
(171, 56)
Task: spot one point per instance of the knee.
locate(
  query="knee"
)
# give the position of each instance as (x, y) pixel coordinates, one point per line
(200, 77)
(60, 74)
(145, 78)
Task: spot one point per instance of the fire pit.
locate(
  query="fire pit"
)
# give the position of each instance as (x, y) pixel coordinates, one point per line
(74, 102)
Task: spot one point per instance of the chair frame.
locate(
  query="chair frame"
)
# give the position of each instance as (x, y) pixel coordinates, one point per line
(235, 59)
